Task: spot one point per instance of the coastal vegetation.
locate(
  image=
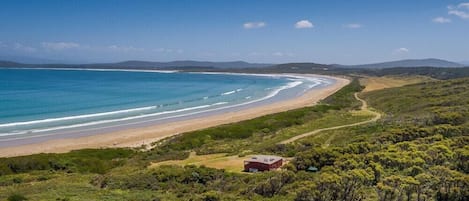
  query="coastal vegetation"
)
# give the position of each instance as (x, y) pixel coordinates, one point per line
(418, 150)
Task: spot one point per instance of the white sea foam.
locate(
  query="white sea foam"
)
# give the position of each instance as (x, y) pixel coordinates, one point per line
(114, 120)
(76, 117)
(220, 103)
(228, 93)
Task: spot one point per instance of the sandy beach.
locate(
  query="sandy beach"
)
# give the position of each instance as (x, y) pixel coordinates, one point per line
(145, 135)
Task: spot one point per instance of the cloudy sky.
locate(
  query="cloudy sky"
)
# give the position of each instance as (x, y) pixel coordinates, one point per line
(274, 31)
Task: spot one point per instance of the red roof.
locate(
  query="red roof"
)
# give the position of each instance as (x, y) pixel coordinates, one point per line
(266, 159)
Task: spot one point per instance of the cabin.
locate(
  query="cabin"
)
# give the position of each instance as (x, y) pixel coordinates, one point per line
(262, 163)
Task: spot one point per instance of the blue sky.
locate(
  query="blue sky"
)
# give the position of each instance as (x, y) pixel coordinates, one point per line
(273, 31)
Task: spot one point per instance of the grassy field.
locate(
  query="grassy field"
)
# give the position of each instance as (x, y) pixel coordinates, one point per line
(376, 83)
(230, 163)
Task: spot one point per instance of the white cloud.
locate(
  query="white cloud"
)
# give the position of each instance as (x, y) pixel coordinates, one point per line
(464, 5)
(461, 14)
(124, 48)
(441, 20)
(353, 26)
(254, 25)
(59, 45)
(401, 50)
(2, 44)
(462, 10)
(24, 48)
(303, 24)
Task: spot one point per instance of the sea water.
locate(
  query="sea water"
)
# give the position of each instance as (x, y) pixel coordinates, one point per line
(50, 100)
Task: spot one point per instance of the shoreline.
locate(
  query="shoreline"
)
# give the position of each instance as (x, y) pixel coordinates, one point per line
(135, 137)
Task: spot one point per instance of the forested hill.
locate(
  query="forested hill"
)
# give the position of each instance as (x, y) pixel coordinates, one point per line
(431, 62)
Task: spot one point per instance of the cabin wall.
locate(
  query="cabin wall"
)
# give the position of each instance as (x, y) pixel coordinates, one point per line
(262, 166)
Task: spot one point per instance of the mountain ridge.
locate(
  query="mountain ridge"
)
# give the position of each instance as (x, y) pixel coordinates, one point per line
(429, 62)
(192, 64)
(144, 64)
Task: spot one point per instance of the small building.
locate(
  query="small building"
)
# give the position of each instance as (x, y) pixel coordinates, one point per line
(262, 163)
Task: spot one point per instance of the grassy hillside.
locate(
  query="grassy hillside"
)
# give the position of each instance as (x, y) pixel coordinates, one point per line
(372, 83)
(418, 151)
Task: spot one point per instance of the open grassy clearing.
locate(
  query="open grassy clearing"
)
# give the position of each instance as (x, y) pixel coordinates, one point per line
(384, 82)
(229, 163)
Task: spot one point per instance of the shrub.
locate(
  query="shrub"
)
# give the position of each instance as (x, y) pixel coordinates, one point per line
(87, 160)
(16, 197)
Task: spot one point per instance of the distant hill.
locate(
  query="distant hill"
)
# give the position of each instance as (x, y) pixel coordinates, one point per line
(28, 60)
(189, 63)
(434, 72)
(408, 63)
(465, 63)
(287, 68)
(11, 64)
(445, 72)
(146, 65)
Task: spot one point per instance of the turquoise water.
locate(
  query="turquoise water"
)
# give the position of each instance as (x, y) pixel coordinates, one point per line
(45, 100)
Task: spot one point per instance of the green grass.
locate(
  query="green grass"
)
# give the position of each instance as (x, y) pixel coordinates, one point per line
(345, 136)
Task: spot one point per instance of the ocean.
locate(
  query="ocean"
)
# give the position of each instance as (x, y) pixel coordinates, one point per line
(44, 102)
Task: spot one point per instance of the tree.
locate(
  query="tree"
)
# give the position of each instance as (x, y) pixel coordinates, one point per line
(274, 184)
(424, 186)
(439, 154)
(352, 183)
(317, 157)
(396, 187)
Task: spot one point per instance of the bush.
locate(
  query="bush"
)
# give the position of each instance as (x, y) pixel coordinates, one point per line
(16, 197)
(274, 185)
(211, 196)
(87, 160)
